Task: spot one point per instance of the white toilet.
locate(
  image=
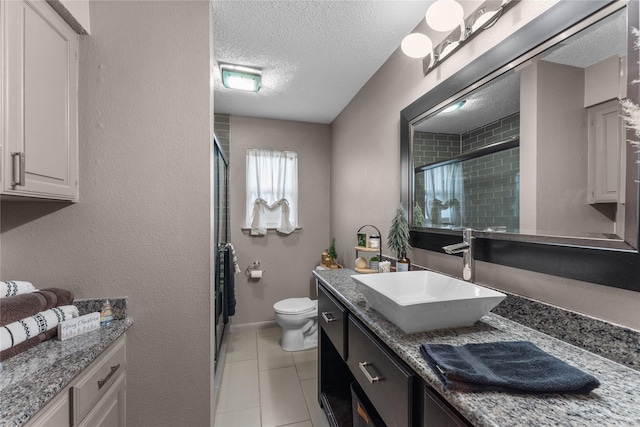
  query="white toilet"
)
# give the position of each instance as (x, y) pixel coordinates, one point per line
(298, 318)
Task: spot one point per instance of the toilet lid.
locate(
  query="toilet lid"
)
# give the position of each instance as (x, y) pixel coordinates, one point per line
(294, 305)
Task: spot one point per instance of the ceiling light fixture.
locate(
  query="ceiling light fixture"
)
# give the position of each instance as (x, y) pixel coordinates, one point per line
(454, 107)
(240, 77)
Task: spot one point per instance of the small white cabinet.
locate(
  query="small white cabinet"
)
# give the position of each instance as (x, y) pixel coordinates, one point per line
(39, 102)
(606, 153)
(96, 398)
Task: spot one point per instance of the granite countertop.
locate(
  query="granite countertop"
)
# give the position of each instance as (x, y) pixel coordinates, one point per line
(31, 379)
(615, 403)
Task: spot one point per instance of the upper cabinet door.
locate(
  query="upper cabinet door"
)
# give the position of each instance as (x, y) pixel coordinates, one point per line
(40, 64)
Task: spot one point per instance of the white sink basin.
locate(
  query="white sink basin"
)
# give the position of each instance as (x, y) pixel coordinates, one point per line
(418, 301)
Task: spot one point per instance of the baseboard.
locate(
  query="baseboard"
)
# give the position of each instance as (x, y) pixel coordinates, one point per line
(253, 326)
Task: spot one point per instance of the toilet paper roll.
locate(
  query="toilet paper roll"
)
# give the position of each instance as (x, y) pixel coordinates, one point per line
(256, 274)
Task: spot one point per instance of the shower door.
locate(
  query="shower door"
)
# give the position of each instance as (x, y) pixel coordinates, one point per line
(220, 238)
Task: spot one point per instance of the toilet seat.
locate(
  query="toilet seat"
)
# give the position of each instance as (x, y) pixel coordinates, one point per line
(295, 306)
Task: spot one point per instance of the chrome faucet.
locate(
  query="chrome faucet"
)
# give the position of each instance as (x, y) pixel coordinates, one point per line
(466, 248)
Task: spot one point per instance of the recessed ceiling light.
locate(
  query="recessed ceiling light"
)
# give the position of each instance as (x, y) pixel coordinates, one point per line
(240, 77)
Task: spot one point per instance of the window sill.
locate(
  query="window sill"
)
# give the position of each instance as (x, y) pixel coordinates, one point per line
(247, 230)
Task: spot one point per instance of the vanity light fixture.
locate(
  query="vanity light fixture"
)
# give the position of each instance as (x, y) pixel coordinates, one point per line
(454, 107)
(240, 77)
(448, 15)
(444, 15)
(417, 45)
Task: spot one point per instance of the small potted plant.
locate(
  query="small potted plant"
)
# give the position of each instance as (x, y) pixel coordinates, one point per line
(374, 263)
(398, 240)
(333, 255)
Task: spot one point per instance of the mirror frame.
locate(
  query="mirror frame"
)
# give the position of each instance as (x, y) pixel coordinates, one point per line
(577, 259)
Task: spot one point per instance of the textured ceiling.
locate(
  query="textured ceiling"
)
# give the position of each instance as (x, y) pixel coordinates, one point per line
(315, 55)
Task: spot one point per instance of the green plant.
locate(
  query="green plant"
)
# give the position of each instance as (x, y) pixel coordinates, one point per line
(418, 217)
(332, 250)
(398, 240)
(374, 258)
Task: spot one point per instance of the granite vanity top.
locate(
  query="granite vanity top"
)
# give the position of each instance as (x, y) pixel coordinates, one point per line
(31, 379)
(615, 403)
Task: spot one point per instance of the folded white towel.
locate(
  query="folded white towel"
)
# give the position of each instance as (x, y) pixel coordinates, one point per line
(20, 331)
(15, 287)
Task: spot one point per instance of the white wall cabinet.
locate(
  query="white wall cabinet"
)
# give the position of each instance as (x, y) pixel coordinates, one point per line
(39, 102)
(96, 398)
(606, 153)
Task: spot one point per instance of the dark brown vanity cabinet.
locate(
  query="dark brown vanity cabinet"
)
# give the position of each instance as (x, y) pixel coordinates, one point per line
(332, 317)
(349, 352)
(387, 381)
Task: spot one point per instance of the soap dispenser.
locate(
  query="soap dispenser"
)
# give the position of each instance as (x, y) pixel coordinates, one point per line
(106, 315)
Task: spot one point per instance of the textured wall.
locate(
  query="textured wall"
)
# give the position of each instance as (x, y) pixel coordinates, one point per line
(371, 194)
(287, 260)
(141, 227)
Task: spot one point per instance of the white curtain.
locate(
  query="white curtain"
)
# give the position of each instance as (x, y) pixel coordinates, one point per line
(444, 195)
(272, 191)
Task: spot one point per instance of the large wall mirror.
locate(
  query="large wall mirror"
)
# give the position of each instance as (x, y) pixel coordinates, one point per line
(526, 145)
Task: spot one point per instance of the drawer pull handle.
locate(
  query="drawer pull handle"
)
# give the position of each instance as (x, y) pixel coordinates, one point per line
(102, 382)
(363, 368)
(325, 316)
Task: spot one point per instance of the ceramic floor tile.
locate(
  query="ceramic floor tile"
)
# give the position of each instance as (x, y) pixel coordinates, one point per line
(271, 355)
(242, 346)
(302, 424)
(266, 332)
(243, 418)
(240, 386)
(306, 363)
(281, 398)
(310, 391)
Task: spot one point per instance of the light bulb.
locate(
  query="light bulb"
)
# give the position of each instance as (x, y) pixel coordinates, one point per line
(444, 15)
(416, 45)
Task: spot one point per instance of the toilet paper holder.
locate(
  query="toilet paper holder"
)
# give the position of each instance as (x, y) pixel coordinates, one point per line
(255, 266)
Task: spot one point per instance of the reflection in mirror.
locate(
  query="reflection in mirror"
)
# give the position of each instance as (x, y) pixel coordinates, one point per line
(538, 150)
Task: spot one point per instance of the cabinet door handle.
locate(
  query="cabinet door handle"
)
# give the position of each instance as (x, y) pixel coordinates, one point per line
(102, 382)
(363, 368)
(18, 168)
(328, 317)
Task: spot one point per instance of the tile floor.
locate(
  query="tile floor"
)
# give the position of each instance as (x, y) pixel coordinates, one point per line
(265, 386)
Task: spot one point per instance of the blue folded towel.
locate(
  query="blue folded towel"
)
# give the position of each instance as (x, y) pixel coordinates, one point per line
(513, 366)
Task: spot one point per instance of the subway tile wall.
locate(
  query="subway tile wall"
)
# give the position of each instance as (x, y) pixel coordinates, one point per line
(491, 182)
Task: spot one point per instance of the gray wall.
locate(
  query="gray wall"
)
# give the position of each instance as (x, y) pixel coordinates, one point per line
(374, 116)
(141, 227)
(287, 260)
(559, 155)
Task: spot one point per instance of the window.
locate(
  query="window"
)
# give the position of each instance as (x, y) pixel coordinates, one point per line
(272, 191)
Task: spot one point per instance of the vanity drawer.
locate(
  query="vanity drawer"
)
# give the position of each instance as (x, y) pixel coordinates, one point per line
(97, 380)
(332, 317)
(386, 380)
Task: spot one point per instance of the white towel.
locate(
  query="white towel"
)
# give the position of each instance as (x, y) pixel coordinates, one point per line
(236, 267)
(20, 331)
(14, 287)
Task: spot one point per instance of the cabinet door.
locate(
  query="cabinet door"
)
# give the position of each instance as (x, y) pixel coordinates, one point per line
(41, 78)
(55, 414)
(437, 414)
(606, 154)
(333, 320)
